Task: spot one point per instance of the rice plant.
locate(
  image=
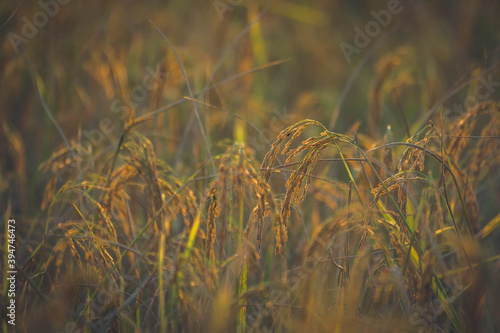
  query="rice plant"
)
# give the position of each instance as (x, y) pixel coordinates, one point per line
(204, 205)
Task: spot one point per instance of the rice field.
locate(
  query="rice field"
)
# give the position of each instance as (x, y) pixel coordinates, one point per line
(250, 166)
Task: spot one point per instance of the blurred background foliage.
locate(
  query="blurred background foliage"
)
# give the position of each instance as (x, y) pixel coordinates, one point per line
(93, 60)
(91, 53)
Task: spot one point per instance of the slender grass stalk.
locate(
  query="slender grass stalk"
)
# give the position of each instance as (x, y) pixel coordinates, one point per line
(161, 287)
(242, 288)
(195, 107)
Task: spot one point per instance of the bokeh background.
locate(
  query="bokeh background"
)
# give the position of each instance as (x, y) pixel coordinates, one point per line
(92, 67)
(92, 53)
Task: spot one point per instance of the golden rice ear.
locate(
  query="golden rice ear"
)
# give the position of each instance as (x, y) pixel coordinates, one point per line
(213, 211)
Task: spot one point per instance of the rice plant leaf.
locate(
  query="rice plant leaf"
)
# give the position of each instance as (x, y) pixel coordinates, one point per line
(489, 228)
(243, 310)
(192, 236)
